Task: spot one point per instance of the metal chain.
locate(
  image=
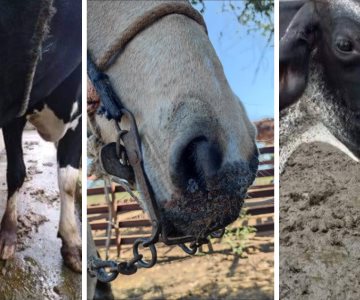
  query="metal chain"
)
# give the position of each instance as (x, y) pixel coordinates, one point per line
(108, 270)
(130, 154)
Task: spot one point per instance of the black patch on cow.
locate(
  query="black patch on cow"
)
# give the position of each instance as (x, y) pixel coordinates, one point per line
(16, 172)
(23, 27)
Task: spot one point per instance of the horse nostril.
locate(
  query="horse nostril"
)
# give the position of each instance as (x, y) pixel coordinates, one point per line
(199, 160)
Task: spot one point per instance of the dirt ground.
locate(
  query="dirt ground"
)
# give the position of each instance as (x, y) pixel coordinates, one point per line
(319, 225)
(209, 276)
(37, 271)
(220, 275)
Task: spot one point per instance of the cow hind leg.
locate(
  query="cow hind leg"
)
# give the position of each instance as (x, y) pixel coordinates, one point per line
(15, 176)
(69, 153)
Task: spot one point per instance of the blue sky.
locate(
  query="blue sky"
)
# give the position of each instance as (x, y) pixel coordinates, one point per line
(240, 53)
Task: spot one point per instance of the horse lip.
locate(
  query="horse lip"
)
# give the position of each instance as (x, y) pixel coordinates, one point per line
(174, 233)
(198, 223)
(202, 211)
(197, 217)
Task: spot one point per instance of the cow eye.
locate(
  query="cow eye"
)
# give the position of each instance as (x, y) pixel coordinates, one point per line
(344, 45)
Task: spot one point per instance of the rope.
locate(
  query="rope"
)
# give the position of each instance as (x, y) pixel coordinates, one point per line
(93, 99)
(94, 140)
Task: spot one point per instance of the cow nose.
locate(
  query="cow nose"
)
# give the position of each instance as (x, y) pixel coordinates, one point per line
(199, 160)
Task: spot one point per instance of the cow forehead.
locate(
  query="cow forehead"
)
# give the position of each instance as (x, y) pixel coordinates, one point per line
(348, 8)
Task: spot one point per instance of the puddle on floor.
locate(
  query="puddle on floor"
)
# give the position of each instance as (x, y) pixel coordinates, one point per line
(37, 272)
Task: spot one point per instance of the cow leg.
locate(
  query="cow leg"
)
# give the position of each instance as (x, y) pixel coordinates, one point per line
(15, 176)
(68, 155)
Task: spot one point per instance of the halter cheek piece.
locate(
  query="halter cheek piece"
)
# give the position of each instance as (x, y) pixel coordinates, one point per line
(124, 158)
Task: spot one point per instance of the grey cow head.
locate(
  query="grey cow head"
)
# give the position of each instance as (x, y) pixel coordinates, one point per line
(320, 60)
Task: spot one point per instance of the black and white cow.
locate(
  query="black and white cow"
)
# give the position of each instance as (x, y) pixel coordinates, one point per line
(44, 89)
(320, 74)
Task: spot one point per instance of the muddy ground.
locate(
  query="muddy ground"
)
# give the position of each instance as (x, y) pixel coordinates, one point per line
(220, 275)
(320, 225)
(37, 271)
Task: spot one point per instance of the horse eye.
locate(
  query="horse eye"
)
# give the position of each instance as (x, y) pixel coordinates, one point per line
(344, 45)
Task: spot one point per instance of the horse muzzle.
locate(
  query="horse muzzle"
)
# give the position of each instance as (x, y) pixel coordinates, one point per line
(210, 195)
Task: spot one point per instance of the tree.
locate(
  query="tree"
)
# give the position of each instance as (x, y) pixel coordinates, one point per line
(257, 15)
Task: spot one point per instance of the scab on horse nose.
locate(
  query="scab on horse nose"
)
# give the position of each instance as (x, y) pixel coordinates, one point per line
(199, 160)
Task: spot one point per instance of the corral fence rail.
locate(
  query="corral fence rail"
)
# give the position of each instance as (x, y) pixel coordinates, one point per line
(259, 207)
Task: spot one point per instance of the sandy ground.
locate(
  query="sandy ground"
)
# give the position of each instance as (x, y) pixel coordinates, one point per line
(211, 276)
(319, 225)
(219, 275)
(37, 271)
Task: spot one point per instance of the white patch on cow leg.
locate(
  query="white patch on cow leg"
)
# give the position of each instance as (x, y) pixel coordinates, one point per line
(74, 109)
(49, 126)
(8, 229)
(68, 229)
(10, 211)
(74, 123)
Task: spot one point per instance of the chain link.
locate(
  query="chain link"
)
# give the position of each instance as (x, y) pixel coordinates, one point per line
(108, 270)
(129, 154)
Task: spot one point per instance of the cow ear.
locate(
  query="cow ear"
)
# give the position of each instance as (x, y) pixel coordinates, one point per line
(296, 45)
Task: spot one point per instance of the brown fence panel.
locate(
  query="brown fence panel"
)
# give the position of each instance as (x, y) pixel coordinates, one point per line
(259, 202)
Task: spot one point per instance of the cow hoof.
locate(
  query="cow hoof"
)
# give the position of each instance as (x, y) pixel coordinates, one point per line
(7, 243)
(72, 257)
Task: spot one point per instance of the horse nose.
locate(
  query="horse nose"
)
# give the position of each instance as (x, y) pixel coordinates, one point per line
(199, 160)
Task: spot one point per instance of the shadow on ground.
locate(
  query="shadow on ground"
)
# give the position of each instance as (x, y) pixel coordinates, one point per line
(219, 275)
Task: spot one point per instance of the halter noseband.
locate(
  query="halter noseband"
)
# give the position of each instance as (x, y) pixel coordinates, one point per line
(143, 22)
(128, 149)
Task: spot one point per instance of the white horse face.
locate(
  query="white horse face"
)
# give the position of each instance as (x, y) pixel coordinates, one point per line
(198, 144)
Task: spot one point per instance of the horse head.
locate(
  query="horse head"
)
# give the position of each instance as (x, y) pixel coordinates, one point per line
(197, 142)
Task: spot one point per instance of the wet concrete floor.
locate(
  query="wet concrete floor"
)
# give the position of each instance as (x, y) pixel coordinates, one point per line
(37, 270)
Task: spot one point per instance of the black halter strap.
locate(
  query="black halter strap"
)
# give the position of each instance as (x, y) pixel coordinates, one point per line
(109, 100)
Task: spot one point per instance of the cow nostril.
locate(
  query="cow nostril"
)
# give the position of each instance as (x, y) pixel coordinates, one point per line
(199, 160)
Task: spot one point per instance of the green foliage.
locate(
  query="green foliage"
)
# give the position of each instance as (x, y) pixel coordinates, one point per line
(237, 237)
(256, 15)
(199, 2)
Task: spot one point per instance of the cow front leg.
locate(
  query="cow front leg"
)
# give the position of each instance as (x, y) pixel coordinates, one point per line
(69, 153)
(15, 175)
